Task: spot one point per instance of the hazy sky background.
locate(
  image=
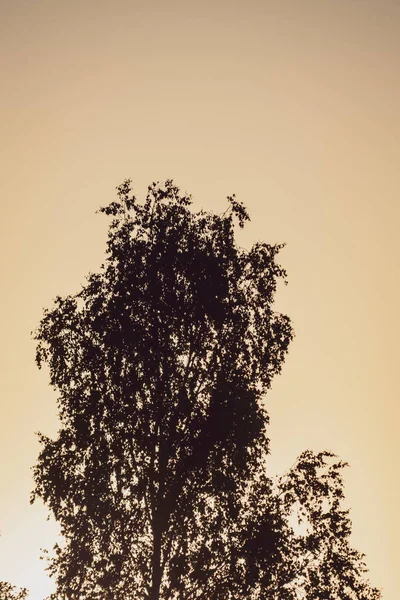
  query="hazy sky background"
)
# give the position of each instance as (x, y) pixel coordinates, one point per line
(293, 106)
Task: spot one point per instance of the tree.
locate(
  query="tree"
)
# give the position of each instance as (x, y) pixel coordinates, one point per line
(10, 592)
(318, 562)
(158, 474)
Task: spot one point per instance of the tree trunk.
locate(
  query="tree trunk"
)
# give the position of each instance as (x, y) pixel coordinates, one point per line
(156, 566)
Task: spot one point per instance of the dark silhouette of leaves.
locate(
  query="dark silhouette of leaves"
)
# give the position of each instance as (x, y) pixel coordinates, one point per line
(10, 592)
(158, 473)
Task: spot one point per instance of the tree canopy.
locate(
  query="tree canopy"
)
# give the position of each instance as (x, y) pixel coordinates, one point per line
(158, 474)
(10, 592)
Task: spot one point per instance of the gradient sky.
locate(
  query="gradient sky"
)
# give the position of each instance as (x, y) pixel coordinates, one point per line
(293, 106)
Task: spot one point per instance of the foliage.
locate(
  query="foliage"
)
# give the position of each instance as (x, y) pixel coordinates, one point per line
(323, 565)
(158, 474)
(10, 592)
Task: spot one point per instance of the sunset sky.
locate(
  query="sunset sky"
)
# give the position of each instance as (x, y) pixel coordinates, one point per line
(293, 105)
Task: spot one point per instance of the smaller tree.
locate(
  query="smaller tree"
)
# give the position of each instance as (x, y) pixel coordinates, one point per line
(10, 592)
(318, 561)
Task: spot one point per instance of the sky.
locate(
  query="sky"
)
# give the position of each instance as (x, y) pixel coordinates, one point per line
(293, 105)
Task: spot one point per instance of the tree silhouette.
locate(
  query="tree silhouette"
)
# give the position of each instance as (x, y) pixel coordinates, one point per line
(158, 474)
(10, 592)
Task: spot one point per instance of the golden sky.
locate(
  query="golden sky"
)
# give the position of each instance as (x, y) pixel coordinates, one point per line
(291, 104)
